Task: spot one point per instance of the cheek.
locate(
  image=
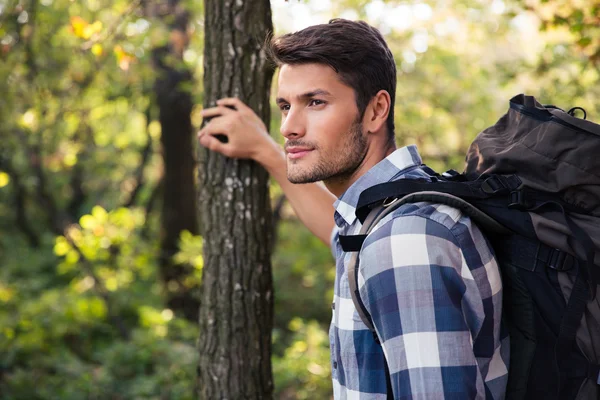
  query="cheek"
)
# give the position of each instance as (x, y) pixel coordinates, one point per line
(329, 127)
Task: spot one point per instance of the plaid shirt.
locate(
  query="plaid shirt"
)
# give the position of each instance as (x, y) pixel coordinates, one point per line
(432, 286)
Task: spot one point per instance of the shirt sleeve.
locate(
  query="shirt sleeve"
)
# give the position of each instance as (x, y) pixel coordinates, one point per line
(412, 282)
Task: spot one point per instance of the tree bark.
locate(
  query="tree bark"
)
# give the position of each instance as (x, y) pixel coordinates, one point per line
(179, 210)
(236, 313)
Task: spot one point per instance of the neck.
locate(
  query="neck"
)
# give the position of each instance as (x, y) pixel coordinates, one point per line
(339, 184)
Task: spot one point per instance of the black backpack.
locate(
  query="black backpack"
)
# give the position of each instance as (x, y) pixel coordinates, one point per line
(532, 185)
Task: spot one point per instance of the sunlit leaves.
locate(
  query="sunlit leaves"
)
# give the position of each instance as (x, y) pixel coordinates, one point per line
(82, 29)
(4, 179)
(6, 293)
(85, 101)
(99, 231)
(156, 320)
(97, 49)
(124, 59)
(190, 250)
(29, 119)
(580, 18)
(305, 366)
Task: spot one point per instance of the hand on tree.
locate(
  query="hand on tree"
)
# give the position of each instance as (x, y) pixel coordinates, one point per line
(246, 134)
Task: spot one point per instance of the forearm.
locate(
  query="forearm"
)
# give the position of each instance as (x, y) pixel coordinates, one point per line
(312, 202)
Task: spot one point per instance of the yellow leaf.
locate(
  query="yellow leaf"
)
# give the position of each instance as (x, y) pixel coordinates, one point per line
(92, 29)
(4, 179)
(61, 246)
(99, 214)
(119, 52)
(28, 119)
(97, 50)
(87, 222)
(70, 160)
(78, 26)
(123, 58)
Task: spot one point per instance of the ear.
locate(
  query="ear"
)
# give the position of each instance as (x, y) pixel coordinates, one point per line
(377, 112)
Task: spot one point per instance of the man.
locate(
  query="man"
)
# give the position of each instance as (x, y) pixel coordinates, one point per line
(427, 275)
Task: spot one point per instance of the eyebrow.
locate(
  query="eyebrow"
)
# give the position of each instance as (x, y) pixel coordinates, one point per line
(307, 95)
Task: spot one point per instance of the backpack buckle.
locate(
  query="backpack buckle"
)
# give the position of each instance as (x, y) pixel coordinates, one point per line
(493, 185)
(560, 260)
(518, 201)
(500, 184)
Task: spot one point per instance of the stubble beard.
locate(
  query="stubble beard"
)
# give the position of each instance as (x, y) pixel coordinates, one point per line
(335, 165)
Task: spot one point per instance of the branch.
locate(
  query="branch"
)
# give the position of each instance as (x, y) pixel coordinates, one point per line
(78, 196)
(114, 318)
(32, 69)
(77, 177)
(21, 212)
(150, 206)
(277, 211)
(56, 218)
(139, 174)
(277, 216)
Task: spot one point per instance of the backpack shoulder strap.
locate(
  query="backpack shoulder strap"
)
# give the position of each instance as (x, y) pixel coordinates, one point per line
(366, 228)
(353, 243)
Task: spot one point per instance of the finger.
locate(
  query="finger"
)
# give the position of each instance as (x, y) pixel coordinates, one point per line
(233, 102)
(213, 144)
(216, 111)
(216, 126)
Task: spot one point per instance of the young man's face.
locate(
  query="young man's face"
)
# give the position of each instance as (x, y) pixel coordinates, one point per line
(324, 136)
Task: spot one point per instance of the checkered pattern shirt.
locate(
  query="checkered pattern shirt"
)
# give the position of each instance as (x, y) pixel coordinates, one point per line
(431, 284)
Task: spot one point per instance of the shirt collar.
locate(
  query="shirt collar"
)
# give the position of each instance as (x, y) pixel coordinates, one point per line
(390, 167)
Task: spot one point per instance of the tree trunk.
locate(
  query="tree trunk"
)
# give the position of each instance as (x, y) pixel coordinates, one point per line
(179, 196)
(236, 313)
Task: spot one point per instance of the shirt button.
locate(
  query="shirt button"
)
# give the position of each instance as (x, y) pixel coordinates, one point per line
(335, 364)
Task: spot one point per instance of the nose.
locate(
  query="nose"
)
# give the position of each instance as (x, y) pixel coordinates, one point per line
(293, 125)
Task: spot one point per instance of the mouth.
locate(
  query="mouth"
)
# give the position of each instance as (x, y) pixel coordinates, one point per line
(295, 153)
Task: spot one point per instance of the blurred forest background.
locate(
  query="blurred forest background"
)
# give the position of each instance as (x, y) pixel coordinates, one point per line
(86, 309)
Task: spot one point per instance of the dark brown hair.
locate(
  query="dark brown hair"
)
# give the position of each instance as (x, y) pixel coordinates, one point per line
(354, 49)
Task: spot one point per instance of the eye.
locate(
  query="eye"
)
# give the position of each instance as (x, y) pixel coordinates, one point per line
(284, 107)
(316, 102)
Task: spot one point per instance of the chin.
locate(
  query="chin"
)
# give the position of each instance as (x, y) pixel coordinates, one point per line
(299, 175)
(304, 175)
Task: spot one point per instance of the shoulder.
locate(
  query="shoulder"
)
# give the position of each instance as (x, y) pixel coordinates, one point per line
(426, 233)
(422, 218)
(425, 218)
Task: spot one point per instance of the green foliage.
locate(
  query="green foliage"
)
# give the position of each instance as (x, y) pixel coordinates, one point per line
(82, 307)
(304, 272)
(62, 331)
(190, 251)
(304, 372)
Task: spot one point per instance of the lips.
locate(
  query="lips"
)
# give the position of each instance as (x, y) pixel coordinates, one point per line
(295, 153)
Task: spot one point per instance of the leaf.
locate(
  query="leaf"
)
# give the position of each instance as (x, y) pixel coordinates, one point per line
(83, 29)
(92, 29)
(78, 26)
(123, 58)
(97, 50)
(4, 179)
(584, 41)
